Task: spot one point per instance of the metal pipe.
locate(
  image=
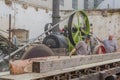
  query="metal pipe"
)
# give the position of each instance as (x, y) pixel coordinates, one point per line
(55, 15)
(9, 35)
(9, 27)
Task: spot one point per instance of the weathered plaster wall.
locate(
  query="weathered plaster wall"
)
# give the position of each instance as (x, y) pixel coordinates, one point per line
(29, 18)
(105, 22)
(4, 16)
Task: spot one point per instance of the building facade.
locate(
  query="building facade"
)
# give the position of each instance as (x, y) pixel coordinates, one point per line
(32, 16)
(64, 4)
(92, 4)
(109, 4)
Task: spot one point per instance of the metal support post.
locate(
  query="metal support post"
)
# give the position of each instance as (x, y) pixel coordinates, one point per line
(55, 15)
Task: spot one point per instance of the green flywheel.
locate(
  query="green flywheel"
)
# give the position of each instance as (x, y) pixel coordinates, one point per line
(78, 27)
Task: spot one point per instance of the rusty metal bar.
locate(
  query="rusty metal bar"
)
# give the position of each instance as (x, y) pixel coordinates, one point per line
(9, 27)
(9, 35)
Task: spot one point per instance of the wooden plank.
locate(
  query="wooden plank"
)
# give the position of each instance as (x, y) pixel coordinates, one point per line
(4, 73)
(68, 62)
(32, 76)
(59, 63)
(23, 66)
(46, 64)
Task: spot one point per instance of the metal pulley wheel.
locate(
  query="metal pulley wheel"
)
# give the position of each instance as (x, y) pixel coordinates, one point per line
(55, 41)
(78, 27)
(51, 41)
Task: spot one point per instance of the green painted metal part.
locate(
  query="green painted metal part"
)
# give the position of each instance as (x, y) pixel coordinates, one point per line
(77, 31)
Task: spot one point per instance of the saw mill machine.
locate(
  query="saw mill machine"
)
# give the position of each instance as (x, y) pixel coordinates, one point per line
(77, 28)
(57, 40)
(54, 39)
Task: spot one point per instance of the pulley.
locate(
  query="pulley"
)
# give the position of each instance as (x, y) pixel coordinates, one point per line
(78, 27)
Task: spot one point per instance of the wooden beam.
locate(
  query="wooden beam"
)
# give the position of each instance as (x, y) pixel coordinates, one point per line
(68, 62)
(33, 76)
(4, 73)
(46, 64)
(23, 66)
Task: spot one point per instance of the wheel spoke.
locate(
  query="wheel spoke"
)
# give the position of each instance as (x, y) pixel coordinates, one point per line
(78, 19)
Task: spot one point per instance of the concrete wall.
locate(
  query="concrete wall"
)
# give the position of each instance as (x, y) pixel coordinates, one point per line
(28, 19)
(4, 17)
(105, 22)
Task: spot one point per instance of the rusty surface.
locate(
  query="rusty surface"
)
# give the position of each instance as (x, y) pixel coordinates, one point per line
(36, 51)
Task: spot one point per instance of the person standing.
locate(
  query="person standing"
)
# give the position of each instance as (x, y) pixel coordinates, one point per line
(82, 48)
(15, 40)
(110, 44)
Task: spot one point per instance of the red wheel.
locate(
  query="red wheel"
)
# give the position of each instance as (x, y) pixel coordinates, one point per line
(99, 49)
